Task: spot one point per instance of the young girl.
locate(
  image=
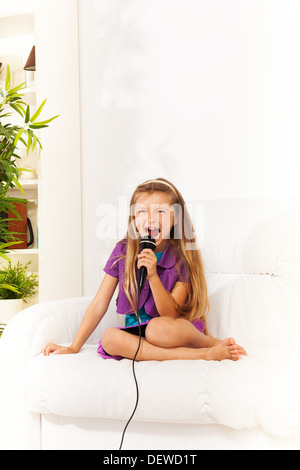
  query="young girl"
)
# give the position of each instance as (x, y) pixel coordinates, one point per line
(173, 303)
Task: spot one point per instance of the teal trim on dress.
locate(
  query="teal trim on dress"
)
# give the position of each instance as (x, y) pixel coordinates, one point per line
(131, 319)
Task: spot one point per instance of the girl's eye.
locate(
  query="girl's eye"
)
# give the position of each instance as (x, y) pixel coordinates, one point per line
(162, 211)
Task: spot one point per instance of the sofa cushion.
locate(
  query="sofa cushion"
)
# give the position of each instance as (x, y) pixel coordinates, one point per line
(262, 390)
(85, 385)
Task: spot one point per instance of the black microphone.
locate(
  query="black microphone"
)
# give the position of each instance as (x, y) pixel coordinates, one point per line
(146, 242)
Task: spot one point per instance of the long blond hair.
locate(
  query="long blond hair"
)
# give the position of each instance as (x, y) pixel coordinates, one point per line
(196, 306)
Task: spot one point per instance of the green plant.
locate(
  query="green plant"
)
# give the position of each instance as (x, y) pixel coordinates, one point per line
(11, 136)
(16, 282)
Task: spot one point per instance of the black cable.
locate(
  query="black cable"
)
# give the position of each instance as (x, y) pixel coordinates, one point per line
(133, 371)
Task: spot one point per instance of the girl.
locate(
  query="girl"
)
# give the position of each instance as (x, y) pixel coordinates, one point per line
(173, 304)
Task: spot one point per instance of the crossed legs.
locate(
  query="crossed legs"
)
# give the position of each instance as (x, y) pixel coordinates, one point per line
(170, 339)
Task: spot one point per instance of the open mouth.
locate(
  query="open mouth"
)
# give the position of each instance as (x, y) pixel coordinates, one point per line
(153, 232)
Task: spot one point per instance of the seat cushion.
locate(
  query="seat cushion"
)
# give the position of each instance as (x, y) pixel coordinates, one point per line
(85, 385)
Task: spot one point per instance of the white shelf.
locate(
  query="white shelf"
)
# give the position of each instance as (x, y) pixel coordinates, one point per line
(25, 251)
(27, 183)
(27, 90)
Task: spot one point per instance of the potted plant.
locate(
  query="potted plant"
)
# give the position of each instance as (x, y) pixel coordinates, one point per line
(11, 136)
(16, 285)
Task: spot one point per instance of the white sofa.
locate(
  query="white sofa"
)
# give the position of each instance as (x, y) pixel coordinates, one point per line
(251, 250)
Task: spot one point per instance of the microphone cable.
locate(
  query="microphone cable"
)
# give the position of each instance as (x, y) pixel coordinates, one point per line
(145, 242)
(133, 371)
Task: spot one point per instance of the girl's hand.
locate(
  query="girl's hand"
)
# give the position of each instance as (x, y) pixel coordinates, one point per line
(148, 259)
(56, 349)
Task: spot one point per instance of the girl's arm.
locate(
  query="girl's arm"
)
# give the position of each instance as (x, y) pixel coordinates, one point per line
(91, 319)
(166, 302)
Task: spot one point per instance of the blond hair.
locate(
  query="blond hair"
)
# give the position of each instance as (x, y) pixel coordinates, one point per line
(196, 306)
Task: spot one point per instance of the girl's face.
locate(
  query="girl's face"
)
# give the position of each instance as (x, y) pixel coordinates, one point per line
(154, 215)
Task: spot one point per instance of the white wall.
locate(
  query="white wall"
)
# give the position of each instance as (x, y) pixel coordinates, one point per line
(203, 92)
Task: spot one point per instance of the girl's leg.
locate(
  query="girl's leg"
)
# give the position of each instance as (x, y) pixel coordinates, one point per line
(170, 332)
(120, 343)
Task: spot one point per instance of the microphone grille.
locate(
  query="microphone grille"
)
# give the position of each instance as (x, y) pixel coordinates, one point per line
(147, 242)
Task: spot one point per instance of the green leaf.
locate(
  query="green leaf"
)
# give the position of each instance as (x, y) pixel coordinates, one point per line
(19, 134)
(27, 116)
(41, 147)
(9, 287)
(33, 126)
(5, 115)
(43, 123)
(2, 255)
(8, 79)
(22, 102)
(17, 183)
(34, 142)
(29, 142)
(23, 142)
(9, 244)
(13, 106)
(19, 105)
(25, 169)
(16, 89)
(38, 112)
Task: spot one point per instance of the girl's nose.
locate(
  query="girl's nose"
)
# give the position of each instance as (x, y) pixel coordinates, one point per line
(151, 219)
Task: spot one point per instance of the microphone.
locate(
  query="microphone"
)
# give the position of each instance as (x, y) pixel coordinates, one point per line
(146, 242)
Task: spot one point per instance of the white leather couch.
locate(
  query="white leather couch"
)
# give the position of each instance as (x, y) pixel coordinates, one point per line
(251, 250)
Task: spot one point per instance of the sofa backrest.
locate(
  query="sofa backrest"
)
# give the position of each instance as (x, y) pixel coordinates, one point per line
(251, 252)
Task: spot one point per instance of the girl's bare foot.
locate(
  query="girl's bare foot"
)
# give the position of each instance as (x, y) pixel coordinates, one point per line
(226, 349)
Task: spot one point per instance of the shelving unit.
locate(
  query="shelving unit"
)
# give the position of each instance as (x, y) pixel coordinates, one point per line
(56, 193)
(17, 36)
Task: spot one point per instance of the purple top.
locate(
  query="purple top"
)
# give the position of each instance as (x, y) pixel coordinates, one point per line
(168, 271)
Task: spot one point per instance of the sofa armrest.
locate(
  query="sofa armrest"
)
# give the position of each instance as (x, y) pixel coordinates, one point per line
(23, 339)
(48, 322)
